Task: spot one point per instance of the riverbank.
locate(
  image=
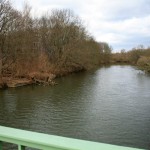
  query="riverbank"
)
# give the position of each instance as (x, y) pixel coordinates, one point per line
(41, 78)
(32, 78)
(144, 66)
(144, 63)
(57, 43)
(137, 57)
(37, 77)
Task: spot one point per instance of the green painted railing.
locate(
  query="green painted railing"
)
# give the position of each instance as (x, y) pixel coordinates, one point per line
(42, 141)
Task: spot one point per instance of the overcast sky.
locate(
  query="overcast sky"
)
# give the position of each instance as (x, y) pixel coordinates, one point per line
(123, 24)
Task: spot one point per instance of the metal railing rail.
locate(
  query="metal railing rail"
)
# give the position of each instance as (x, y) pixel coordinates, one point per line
(42, 141)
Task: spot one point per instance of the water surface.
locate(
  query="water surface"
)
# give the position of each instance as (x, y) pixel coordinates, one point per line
(109, 105)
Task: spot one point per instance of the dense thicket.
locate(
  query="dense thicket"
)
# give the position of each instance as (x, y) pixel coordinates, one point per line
(57, 43)
(139, 56)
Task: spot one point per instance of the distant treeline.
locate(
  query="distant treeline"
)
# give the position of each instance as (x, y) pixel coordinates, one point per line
(56, 42)
(139, 56)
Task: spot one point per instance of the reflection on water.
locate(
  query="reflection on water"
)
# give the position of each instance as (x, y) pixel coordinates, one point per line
(110, 105)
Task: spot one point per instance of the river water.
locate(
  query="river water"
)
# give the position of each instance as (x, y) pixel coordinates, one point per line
(109, 105)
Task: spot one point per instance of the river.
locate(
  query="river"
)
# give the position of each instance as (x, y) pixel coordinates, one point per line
(109, 105)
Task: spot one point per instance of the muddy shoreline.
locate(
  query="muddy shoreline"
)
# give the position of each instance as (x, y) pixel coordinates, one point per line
(32, 78)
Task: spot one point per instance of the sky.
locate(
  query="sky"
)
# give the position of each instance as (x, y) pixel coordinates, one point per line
(121, 23)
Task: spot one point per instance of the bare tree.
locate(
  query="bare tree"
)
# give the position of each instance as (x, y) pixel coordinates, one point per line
(60, 35)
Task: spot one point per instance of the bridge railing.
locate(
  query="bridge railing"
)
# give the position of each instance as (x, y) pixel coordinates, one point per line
(42, 141)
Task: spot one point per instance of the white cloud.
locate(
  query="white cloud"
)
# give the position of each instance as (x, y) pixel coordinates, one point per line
(128, 27)
(118, 22)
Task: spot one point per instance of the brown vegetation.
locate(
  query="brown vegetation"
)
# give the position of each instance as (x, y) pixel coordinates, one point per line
(144, 63)
(139, 56)
(56, 43)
